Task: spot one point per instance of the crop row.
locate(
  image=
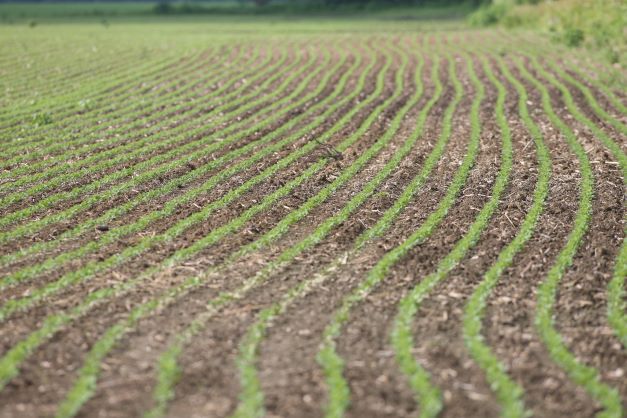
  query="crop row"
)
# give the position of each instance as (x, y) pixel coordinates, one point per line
(285, 119)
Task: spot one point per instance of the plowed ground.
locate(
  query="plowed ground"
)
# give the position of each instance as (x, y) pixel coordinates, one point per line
(201, 222)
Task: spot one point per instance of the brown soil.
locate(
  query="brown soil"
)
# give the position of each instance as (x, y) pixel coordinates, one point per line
(54, 230)
(104, 316)
(178, 118)
(291, 379)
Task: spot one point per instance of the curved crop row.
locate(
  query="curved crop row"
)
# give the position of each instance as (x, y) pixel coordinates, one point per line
(51, 169)
(132, 156)
(10, 362)
(508, 393)
(581, 374)
(616, 308)
(65, 102)
(168, 187)
(147, 242)
(79, 118)
(138, 109)
(115, 135)
(116, 65)
(94, 150)
(251, 397)
(603, 115)
(85, 384)
(401, 336)
(143, 171)
(602, 88)
(330, 361)
(100, 87)
(168, 362)
(142, 197)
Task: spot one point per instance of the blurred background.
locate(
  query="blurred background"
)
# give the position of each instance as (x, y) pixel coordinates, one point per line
(599, 25)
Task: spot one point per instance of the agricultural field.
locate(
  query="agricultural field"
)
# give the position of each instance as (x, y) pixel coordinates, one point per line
(309, 219)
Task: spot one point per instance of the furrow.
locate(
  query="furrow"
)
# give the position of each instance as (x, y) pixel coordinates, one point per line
(211, 143)
(116, 162)
(251, 399)
(581, 374)
(508, 392)
(616, 311)
(232, 99)
(11, 361)
(143, 222)
(168, 369)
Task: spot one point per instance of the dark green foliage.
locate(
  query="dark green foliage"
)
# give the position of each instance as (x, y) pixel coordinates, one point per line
(572, 36)
(488, 15)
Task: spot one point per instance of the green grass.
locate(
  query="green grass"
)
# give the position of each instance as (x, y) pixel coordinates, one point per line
(110, 12)
(596, 24)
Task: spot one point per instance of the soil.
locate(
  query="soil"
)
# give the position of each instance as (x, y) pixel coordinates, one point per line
(292, 381)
